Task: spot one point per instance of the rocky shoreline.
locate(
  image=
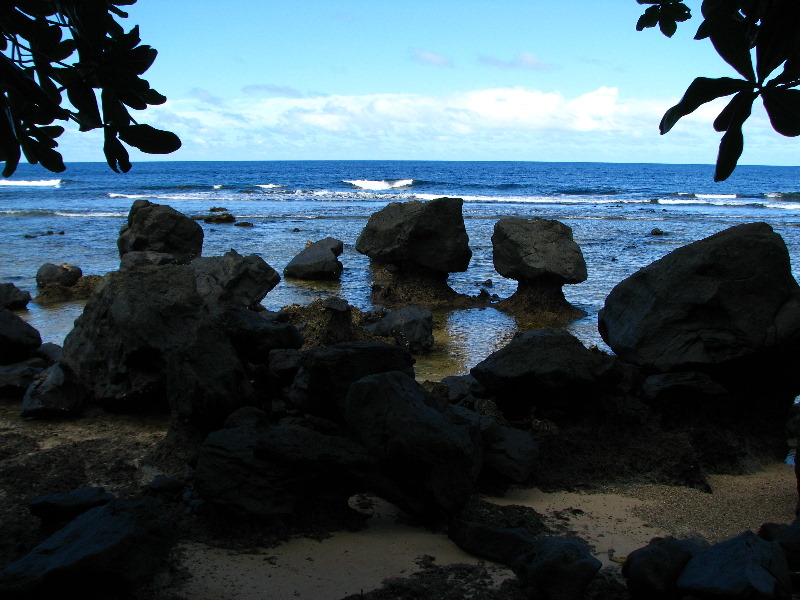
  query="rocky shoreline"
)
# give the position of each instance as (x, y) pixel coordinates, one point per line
(271, 424)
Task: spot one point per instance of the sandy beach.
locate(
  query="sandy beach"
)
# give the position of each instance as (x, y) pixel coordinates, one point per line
(116, 451)
(612, 522)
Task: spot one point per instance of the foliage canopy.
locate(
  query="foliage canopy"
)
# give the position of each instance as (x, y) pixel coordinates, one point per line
(75, 47)
(740, 30)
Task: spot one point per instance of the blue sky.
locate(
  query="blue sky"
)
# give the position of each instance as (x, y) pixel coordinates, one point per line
(435, 79)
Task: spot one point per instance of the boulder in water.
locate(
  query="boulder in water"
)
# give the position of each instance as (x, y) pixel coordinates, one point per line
(160, 228)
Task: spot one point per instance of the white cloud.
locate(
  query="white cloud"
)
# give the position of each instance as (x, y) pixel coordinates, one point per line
(205, 96)
(430, 58)
(523, 60)
(270, 89)
(511, 123)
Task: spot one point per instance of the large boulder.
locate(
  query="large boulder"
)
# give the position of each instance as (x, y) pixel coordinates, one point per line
(317, 261)
(260, 471)
(744, 567)
(721, 318)
(326, 374)
(18, 339)
(411, 327)
(726, 297)
(428, 235)
(420, 243)
(652, 572)
(557, 568)
(147, 339)
(549, 369)
(17, 377)
(13, 298)
(162, 229)
(234, 279)
(64, 274)
(430, 454)
(55, 392)
(542, 256)
(116, 546)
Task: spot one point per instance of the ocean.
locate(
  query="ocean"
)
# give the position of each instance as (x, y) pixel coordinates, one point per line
(611, 208)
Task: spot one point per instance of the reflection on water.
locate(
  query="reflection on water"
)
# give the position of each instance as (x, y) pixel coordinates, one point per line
(463, 338)
(53, 321)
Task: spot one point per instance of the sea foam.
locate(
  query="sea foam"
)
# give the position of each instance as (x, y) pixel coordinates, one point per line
(37, 183)
(380, 184)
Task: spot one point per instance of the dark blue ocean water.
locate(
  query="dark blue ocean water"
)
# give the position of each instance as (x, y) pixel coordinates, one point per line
(612, 208)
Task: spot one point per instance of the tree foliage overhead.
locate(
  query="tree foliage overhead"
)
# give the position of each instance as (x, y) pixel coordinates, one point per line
(50, 49)
(740, 30)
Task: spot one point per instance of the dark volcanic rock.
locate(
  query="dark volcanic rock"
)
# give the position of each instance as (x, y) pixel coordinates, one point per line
(428, 235)
(420, 243)
(411, 327)
(557, 568)
(652, 572)
(64, 274)
(326, 374)
(726, 297)
(317, 261)
(234, 279)
(17, 377)
(546, 368)
(55, 392)
(13, 298)
(270, 471)
(146, 339)
(726, 310)
(542, 256)
(431, 455)
(18, 339)
(744, 567)
(115, 546)
(159, 228)
(65, 506)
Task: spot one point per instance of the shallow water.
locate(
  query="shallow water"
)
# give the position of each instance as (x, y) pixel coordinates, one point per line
(611, 209)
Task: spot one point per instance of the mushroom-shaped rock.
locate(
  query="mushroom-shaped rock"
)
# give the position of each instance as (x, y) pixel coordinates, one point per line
(421, 242)
(542, 256)
(317, 261)
(160, 228)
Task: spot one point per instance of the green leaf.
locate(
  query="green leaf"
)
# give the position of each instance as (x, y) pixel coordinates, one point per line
(732, 43)
(116, 155)
(667, 26)
(82, 97)
(63, 50)
(777, 36)
(152, 97)
(37, 152)
(730, 149)
(114, 112)
(732, 143)
(700, 91)
(791, 72)
(676, 11)
(741, 103)
(149, 139)
(648, 19)
(783, 108)
(10, 152)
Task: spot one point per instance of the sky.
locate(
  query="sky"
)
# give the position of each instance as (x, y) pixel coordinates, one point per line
(530, 80)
